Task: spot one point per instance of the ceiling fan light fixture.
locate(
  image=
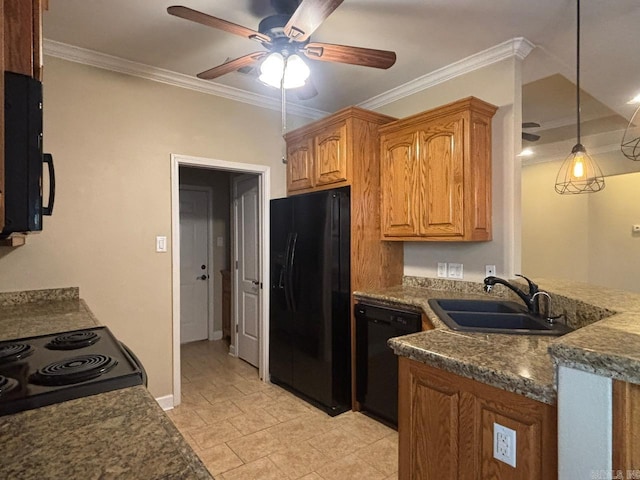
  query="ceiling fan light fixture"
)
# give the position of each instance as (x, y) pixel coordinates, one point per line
(293, 67)
(296, 72)
(271, 70)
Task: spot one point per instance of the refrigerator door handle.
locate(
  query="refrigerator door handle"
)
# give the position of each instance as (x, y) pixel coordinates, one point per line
(288, 285)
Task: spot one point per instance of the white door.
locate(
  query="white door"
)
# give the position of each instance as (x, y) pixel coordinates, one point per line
(247, 275)
(194, 265)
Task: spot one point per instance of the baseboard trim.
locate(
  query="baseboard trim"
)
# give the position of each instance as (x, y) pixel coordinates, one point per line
(166, 402)
(232, 350)
(217, 335)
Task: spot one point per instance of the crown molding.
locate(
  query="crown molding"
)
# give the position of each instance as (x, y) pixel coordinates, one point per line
(117, 64)
(518, 47)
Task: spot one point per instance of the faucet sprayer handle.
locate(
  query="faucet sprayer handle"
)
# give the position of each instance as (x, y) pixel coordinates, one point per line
(533, 288)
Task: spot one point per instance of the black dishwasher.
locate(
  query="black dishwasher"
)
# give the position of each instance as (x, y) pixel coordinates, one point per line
(376, 364)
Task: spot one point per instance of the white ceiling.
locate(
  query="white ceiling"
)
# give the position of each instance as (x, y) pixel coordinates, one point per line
(426, 35)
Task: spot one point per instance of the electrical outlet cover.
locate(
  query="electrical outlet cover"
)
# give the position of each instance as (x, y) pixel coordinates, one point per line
(455, 270)
(442, 270)
(504, 444)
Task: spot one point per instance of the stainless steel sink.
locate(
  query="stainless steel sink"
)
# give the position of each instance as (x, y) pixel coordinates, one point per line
(493, 316)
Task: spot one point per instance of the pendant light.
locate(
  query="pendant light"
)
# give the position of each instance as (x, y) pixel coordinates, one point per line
(579, 173)
(630, 145)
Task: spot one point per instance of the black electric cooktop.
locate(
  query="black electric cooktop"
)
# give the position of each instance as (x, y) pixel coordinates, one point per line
(48, 369)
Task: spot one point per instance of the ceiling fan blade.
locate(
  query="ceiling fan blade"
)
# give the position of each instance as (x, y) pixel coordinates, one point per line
(209, 21)
(231, 66)
(353, 55)
(530, 125)
(307, 91)
(530, 137)
(308, 16)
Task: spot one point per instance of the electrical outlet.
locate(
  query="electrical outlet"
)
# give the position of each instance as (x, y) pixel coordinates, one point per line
(455, 270)
(504, 444)
(442, 270)
(489, 270)
(636, 229)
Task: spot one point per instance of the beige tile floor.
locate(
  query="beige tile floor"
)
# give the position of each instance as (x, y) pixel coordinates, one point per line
(244, 429)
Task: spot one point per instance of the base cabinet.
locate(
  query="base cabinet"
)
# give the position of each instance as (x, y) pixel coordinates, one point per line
(626, 428)
(446, 425)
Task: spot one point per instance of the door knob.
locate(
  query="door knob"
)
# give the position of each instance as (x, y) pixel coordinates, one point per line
(203, 277)
(255, 282)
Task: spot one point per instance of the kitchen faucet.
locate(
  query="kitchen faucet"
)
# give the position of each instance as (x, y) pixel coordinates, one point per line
(530, 299)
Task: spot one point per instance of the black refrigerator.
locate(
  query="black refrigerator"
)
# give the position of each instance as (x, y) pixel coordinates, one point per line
(310, 334)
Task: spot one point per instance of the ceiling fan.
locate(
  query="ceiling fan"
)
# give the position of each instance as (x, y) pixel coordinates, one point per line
(287, 35)
(530, 137)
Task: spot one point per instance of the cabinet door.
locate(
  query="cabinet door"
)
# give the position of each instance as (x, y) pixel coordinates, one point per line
(300, 165)
(331, 155)
(429, 424)
(441, 158)
(399, 184)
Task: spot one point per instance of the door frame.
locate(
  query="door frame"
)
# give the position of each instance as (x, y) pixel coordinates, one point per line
(264, 183)
(210, 256)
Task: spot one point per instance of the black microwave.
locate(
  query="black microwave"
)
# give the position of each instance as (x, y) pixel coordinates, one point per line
(23, 157)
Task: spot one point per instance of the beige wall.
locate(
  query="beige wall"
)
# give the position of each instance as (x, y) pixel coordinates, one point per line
(554, 227)
(587, 238)
(111, 136)
(498, 84)
(614, 250)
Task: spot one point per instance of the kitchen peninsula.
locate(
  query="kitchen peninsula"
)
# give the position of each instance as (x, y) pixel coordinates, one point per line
(119, 434)
(457, 369)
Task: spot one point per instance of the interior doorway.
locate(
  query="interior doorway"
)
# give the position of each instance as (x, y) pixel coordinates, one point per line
(248, 251)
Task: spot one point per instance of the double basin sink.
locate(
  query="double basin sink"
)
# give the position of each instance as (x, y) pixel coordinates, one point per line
(493, 316)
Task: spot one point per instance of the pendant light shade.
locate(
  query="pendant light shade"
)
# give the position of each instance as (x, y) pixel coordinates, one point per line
(579, 172)
(630, 145)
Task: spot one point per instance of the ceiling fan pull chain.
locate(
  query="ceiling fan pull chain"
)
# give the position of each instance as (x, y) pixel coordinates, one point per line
(283, 109)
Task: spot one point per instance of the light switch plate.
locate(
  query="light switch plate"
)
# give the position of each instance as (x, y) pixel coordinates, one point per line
(161, 244)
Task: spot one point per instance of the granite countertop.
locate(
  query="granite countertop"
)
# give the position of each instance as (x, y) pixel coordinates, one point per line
(606, 342)
(119, 434)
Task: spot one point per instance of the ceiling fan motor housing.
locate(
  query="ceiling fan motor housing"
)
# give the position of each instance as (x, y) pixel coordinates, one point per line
(273, 27)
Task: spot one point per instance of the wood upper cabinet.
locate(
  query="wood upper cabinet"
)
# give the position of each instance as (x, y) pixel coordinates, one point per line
(330, 147)
(300, 165)
(446, 424)
(23, 37)
(321, 155)
(436, 174)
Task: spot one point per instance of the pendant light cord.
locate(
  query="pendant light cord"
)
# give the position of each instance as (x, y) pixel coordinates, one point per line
(578, 70)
